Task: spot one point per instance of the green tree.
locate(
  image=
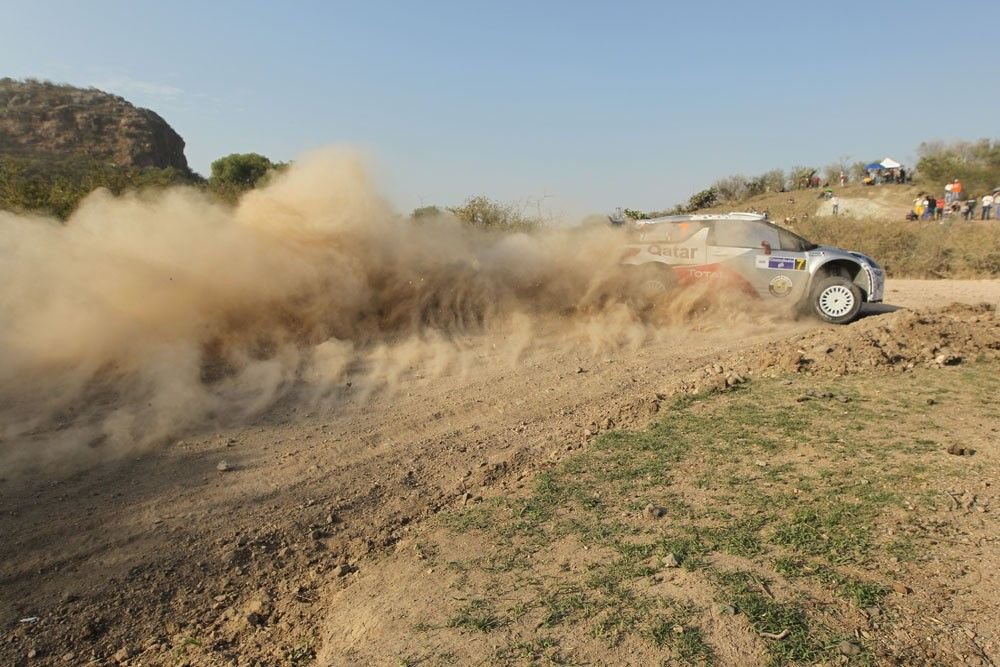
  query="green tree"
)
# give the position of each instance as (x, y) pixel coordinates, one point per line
(976, 164)
(425, 212)
(241, 171)
(703, 199)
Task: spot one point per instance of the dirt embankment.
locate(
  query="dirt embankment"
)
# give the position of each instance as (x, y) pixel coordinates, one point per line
(170, 555)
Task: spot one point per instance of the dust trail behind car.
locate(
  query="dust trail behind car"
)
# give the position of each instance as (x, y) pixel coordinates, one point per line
(149, 314)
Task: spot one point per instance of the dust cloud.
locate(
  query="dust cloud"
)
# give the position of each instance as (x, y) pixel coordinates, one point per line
(150, 314)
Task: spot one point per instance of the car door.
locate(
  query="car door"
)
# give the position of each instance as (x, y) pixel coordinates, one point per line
(753, 250)
(781, 265)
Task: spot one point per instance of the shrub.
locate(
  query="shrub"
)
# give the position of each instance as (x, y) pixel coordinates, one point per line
(485, 213)
(56, 186)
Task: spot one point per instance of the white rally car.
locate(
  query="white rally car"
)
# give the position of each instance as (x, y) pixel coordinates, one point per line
(746, 251)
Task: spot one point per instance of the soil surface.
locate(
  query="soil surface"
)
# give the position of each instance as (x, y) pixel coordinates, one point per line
(226, 547)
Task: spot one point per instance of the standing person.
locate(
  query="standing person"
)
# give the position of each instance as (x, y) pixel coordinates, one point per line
(918, 206)
(987, 206)
(931, 206)
(843, 178)
(835, 202)
(940, 208)
(972, 208)
(949, 196)
(956, 189)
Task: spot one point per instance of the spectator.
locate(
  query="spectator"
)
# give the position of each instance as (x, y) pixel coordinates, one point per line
(843, 178)
(987, 206)
(956, 189)
(940, 208)
(931, 207)
(918, 206)
(949, 196)
(970, 209)
(835, 202)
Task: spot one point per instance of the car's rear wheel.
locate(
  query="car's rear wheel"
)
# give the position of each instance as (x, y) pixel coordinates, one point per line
(836, 299)
(651, 281)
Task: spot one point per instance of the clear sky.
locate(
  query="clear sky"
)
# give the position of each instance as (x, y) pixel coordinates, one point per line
(582, 106)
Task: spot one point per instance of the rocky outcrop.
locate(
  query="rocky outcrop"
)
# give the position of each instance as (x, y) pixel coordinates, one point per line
(45, 120)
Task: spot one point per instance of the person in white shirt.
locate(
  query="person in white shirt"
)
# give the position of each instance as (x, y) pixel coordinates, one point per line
(987, 206)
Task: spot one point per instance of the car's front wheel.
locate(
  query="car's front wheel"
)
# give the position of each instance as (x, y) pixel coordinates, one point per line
(836, 299)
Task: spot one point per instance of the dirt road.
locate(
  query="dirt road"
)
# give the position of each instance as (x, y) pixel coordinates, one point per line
(228, 542)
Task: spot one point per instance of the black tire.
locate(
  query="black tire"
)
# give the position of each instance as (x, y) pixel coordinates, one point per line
(836, 300)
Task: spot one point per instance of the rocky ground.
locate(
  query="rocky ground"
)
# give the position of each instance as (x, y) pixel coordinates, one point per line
(229, 547)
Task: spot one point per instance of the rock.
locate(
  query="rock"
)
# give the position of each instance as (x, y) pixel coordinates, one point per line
(32, 653)
(46, 120)
(802, 398)
(654, 512)
(728, 609)
(122, 655)
(671, 560)
(256, 611)
(734, 380)
(848, 648)
(587, 433)
(608, 424)
(343, 569)
(902, 589)
(931, 401)
(581, 369)
(224, 466)
(69, 657)
(944, 359)
(958, 450)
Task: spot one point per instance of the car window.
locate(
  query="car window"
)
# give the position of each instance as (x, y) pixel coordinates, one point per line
(793, 242)
(743, 234)
(672, 232)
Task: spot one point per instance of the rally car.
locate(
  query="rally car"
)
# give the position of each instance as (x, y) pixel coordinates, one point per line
(746, 251)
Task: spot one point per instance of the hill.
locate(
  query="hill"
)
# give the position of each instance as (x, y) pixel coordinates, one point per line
(46, 121)
(883, 202)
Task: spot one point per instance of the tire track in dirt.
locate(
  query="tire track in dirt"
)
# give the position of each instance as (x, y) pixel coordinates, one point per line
(142, 555)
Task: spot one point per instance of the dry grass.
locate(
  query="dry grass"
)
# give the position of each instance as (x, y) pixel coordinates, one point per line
(905, 249)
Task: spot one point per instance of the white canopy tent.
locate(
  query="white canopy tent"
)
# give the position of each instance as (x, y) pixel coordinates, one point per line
(889, 163)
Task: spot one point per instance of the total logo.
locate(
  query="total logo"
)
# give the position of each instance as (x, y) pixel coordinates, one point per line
(702, 274)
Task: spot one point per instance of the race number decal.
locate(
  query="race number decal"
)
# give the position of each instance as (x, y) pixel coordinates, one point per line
(780, 263)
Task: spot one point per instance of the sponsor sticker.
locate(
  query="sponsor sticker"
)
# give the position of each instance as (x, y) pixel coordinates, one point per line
(780, 286)
(780, 263)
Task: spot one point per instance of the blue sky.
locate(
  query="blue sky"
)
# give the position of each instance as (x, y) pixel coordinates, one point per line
(573, 107)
